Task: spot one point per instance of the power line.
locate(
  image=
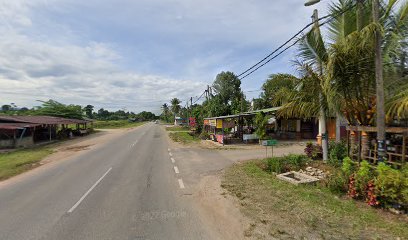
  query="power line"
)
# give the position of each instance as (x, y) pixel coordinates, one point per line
(261, 63)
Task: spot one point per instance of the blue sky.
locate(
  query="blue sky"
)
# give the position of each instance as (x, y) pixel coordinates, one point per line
(136, 55)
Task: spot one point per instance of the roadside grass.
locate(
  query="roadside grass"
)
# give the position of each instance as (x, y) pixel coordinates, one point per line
(183, 137)
(177, 128)
(19, 161)
(285, 211)
(115, 124)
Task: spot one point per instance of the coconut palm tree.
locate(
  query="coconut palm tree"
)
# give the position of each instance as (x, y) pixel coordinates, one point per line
(175, 106)
(166, 111)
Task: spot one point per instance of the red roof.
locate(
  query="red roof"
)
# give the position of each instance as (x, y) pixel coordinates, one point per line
(40, 120)
(14, 126)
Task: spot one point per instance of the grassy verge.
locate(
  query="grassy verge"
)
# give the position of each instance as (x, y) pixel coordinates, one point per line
(16, 162)
(285, 211)
(183, 137)
(177, 129)
(115, 124)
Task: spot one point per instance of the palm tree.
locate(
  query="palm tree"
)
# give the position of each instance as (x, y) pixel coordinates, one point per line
(175, 106)
(165, 113)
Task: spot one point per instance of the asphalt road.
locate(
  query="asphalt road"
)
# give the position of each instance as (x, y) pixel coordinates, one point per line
(126, 189)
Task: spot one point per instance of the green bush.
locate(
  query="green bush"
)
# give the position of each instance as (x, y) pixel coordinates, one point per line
(362, 177)
(287, 163)
(204, 135)
(392, 185)
(347, 166)
(275, 165)
(337, 183)
(337, 151)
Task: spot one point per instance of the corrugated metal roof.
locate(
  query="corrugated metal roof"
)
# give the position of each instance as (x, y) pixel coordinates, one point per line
(41, 120)
(266, 110)
(14, 126)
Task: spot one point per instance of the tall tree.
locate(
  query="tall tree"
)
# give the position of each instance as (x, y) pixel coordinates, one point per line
(57, 109)
(276, 83)
(227, 87)
(89, 110)
(175, 106)
(165, 112)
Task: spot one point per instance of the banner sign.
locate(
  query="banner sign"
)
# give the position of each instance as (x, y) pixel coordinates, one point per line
(206, 122)
(213, 122)
(192, 121)
(219, 123)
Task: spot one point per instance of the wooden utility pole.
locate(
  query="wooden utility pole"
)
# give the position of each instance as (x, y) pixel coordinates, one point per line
(379, 85)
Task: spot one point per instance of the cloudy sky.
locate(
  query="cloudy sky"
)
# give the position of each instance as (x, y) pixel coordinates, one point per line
(138, 54)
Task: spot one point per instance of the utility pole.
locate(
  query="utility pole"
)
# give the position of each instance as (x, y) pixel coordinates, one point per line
(379, 86)
(360, 8)
(322, 117)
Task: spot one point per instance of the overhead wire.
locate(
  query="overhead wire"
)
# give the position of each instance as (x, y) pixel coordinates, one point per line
(262, 62)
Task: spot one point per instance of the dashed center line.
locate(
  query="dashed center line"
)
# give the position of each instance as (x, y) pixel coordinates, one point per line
(176, 170)
(168, 149)
(172, 160)
(181, 184)
(171, 155)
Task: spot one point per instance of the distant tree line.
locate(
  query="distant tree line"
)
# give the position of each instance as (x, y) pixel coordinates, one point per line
(57, 109)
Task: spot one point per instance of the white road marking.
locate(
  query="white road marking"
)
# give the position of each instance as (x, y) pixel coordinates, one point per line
(168, 149)
(86, 194)
(172, 160)
(176, 170)
(181, 184)
(171, 155)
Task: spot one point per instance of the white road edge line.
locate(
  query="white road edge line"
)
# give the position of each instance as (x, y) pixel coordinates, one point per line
(171, 155)
(86, 194)
(181, 184)
(176, 170)
(172, 160)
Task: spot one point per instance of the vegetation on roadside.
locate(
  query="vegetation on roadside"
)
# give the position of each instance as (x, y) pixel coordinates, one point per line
(184, 137)
(178, 128)
(16, 162)
(116, 124)
(285, 211)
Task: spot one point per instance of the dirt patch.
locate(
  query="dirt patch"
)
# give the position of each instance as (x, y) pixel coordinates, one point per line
(220, 210)
(75, 148)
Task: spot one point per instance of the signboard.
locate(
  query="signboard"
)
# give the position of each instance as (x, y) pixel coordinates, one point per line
(192, 121)
(206, 122)
(272, 142)
(213, 122)
(219, 123)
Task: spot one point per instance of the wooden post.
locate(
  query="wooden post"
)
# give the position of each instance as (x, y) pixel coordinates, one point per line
(49, 131)
(348, 143)
(359, 147)
(404, 147)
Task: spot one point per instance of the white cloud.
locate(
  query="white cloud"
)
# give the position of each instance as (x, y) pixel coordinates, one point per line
(133, 54)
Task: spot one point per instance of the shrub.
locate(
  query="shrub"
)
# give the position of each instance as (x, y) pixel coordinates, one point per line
(286, 163)
(204, 135)
(337, 183)
(347, 166)
(313, 151)
(275, 165)
(337, 151)
(296, 161)
(362, 177)
(392, 185)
